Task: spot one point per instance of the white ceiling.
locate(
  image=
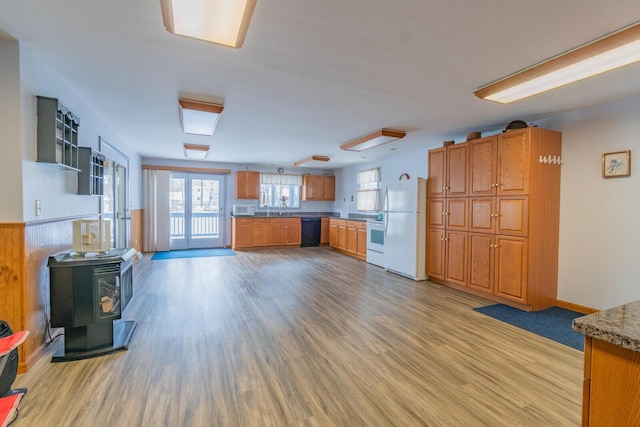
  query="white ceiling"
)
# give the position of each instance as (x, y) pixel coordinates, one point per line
(315, 74)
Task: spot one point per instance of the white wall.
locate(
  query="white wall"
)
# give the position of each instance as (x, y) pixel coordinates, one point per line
(54, 187)
(599, 218)
(10, 159)
(413, 162)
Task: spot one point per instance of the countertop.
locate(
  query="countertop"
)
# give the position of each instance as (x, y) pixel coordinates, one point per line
(618, 326)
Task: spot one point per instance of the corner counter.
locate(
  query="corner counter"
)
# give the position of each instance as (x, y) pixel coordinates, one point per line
(611, 387)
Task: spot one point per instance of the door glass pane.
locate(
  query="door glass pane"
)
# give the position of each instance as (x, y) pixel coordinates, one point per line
(177, 204)
(205, 208)
(108, 199)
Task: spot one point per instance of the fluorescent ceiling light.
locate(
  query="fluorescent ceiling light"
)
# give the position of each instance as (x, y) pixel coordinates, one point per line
(373, 139)
(199, 118)
(223, 22)
(315, 160)
(196, 152)
(607, 53)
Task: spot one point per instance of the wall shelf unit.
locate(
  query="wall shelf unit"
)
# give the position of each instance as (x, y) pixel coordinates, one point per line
(57, 133)
(91, 175)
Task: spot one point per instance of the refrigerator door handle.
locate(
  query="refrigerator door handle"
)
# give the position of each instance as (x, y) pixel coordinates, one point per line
(386, 210)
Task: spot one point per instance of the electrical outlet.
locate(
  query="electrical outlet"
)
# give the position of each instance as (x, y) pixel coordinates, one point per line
(38, 208)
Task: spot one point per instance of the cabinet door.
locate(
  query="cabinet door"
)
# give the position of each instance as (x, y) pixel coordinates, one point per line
(342, 235)
(481, 262)
(333, 234)
(513, 162)
(293, 232)
(435, 253)
(253, 185)
(436, 210)
(261, 235)
(242, 233)
(437, 172)
(457, 170)
(352, 238)
(329, 188)
(324, 231)
(247, 185)
(482, 214)
(362, 241)
(456, 250)
(311, 187)
(457, 216)
(277, 236)
(513, 216)
(482, 164)
(511, 268)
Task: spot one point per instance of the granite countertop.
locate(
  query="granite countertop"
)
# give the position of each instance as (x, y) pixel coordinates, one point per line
(618, 326)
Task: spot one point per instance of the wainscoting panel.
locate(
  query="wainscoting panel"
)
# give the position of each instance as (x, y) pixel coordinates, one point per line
(42, 239)
(136, 229)
(12, 276)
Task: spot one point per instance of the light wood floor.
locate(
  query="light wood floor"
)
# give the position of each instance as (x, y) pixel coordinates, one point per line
(307, 337)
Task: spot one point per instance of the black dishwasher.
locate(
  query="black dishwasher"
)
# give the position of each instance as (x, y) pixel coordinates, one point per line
(311, 231)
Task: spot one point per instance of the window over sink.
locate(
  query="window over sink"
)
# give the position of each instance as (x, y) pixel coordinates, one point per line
(280, 191)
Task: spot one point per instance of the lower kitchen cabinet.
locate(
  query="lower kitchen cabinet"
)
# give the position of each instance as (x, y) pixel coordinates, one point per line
(349, 237)
(325, 231)
(611, 396)
(265, 232)
(447, 256)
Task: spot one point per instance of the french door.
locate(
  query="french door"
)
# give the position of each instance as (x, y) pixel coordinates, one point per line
(197, 210)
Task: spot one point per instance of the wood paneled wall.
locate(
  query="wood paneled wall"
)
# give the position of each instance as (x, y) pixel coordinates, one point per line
(135, 239)
(12, 277)
(24, 279)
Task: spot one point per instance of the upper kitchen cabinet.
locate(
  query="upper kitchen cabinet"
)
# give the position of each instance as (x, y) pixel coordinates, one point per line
(57, 133)
(448, 171)
(247, 185)
(318, 187)
(329, 187)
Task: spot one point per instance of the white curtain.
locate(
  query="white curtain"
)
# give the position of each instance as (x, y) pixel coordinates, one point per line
(368, 194)
(156, 217)
(280, 179)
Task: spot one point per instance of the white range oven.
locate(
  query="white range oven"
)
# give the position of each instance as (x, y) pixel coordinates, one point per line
(375, 243)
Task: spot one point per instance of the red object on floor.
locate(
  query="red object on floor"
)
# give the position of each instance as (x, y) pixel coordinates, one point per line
(8, 405)
(12, 341)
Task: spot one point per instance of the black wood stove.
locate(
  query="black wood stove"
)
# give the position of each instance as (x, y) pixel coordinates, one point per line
(88, 294)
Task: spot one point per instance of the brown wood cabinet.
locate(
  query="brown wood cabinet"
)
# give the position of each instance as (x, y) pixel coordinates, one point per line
(329, 188)
(265, 232)
(247, 185)
(493, 229)
(325, 231)
(318, 187)
(349, 237)
(611, 396)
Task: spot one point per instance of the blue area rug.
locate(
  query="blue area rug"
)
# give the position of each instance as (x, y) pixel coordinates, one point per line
(193, 253)
(553, 323)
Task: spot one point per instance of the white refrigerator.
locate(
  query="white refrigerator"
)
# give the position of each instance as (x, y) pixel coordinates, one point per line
(405, 222)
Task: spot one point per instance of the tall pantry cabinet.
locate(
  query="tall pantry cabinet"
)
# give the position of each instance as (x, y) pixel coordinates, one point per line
(493, 217)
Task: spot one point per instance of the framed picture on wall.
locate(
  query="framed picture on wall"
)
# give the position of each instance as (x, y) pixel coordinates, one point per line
(616, 164)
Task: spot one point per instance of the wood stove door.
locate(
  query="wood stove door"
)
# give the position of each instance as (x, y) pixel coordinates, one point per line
(107, 286)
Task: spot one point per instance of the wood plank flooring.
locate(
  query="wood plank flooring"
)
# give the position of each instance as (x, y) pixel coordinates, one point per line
(306, 337)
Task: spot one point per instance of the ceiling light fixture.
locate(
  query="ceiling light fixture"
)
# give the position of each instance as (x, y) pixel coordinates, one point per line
(312, 160)
(607, 53)
(196, 152)
(199, 118)
(223, 22)
(373, 139)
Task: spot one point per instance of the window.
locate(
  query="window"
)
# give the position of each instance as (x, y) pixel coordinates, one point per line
(368, 194)
(280, 191)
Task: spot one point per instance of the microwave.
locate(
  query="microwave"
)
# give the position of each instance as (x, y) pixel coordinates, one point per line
(244, 210)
